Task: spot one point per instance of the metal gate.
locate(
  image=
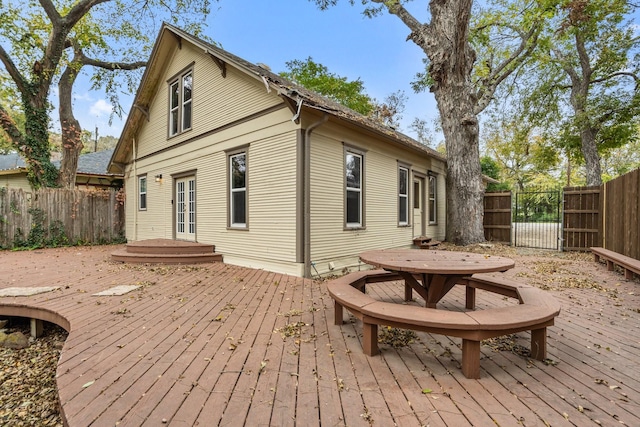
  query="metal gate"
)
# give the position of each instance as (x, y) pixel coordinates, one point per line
(537, 219)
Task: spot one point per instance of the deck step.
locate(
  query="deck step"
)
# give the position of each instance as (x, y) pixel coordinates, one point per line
(167, 247)
(166, 251)
(424, 242)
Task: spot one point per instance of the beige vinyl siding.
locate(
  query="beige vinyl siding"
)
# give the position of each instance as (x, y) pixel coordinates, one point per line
(271, 203)
(270, 241)
(330, 242)
(15, 180)
(217, 101)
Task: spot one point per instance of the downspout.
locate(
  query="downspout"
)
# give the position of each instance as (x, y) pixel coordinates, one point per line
(307, 193)
(135, 180)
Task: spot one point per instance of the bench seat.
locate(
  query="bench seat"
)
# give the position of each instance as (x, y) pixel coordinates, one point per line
(630, 265)
(535, 312)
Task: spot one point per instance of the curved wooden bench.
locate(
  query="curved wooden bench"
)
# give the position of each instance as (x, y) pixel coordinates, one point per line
(535, 312)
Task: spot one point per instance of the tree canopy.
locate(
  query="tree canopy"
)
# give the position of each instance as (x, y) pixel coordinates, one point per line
(318, 78)
(463, 86)
(350, 93)
(50, 42)
(580, 88)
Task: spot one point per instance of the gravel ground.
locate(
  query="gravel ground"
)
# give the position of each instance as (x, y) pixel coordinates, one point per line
(28, 394)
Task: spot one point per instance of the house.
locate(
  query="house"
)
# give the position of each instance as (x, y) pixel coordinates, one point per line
(91, 173)
(221, 151)
(13, 172)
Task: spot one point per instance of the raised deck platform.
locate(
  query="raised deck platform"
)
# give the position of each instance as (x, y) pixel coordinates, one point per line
(221, 345)
(166, 251)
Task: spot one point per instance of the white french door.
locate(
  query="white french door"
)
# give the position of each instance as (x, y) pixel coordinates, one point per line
(186, 209)
(418, 207)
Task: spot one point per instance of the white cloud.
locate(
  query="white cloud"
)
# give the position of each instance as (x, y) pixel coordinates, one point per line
(100, 108)
(86, 96)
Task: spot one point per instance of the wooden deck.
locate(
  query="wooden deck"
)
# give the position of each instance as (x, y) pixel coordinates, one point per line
(216, 344)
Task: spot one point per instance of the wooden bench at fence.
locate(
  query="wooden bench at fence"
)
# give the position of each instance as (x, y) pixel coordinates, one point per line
(535, 312)
(630, 265)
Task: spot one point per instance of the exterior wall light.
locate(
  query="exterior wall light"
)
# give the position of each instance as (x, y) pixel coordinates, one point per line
(159, 177)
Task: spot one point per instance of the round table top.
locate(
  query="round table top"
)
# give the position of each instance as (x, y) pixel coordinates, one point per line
(436, 261)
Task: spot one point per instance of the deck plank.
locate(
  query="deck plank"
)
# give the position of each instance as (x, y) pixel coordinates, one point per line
(164, 352)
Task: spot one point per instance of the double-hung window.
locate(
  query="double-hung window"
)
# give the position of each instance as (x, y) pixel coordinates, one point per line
(238, 190)
(142, 193)
(433, 213)
(354, 189)
(180, 103)
(403, 196)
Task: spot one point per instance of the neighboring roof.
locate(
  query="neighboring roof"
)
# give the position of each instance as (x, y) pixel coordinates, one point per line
(96, 163)
(91, 163)
(290, 91)
(11, 161)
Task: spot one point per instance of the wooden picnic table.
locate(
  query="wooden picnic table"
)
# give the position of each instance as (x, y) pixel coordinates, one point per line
(433, 273)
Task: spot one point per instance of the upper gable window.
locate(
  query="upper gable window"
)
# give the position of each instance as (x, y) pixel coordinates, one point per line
(180, 103)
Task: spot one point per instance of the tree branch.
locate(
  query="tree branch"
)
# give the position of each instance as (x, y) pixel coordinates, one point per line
(8, 125)
(575, 78)
(585, 63)
(418, 29)
(528, 43)
(618, 74)
(50, 10)
(113, 66)
(15, 74)
(78, 11)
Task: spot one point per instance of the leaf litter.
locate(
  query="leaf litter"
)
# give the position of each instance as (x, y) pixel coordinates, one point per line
(28, 391)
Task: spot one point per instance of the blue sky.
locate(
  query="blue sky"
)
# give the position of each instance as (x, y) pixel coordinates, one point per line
(274, 32)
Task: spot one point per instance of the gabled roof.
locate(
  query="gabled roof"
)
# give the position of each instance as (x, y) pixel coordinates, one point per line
(294, 95)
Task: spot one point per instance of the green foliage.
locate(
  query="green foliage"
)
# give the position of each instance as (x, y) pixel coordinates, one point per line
(491, 168)
(39, 235)
(10, 101)
(537, 206)
(519, 154)
(318, 78)
(583, 79)
(113, 36)
(621, 160)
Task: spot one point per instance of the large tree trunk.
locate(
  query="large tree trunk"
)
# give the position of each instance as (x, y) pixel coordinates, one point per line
(581, 82)
(40, 171)
(445, 40)
(71, 130)
(591, 156)
(451, 62)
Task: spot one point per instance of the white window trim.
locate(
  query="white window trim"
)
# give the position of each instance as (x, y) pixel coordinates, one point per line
(405, 196)
(187, 102)
(433, 199)
(180, 107)
(141, 193)
(360, 191)
(237, 190)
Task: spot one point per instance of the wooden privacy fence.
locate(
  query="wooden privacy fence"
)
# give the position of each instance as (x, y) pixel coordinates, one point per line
(497, 216)
(582, 221)
(606, 216)
(621, 217)
(90, 217)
